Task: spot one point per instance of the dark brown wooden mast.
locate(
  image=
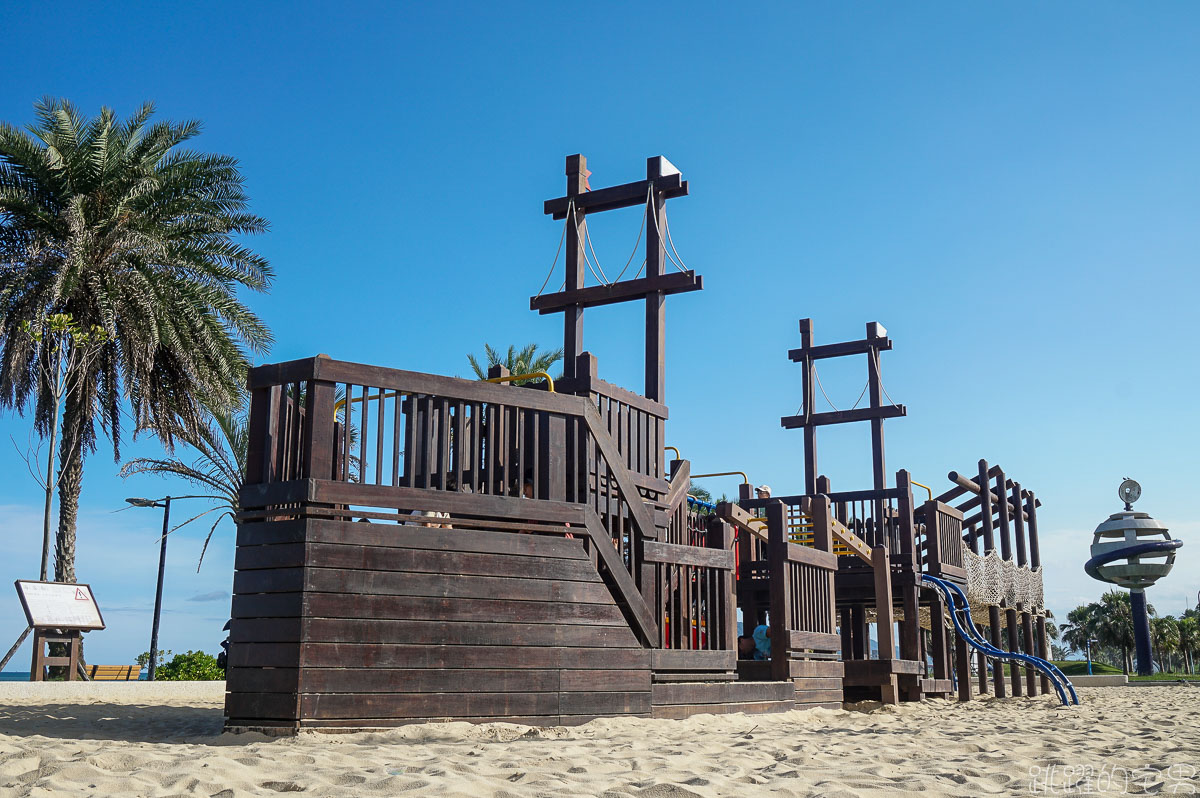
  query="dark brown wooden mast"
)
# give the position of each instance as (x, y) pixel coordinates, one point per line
(663, 181)
(807, 355)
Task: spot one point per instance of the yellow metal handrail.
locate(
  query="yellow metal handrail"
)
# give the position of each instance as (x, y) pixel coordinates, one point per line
(926, 487)
(514, 377)
(678, 456)
(742, 474)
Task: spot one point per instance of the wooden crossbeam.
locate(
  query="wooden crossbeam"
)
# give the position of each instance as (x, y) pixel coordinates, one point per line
(597, 295)
(851, 541)
(843, 416)
(623, 196)
(839, 350)
(740, 518)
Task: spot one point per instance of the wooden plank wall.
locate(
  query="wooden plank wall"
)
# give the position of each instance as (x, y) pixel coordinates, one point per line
(361, 625)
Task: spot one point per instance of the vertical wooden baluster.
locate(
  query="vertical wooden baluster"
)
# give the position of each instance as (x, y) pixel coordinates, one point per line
(363, 433)
(347, 426)
(379, 418)
(397, 424)
(458, 444)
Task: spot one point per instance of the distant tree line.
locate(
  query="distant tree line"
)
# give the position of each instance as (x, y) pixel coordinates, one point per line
(1109, 623)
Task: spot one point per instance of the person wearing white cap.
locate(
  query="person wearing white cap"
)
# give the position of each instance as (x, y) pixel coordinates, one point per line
(763, 491)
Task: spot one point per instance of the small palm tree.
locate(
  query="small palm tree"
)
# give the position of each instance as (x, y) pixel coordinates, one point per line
(221, 445)
(527, 360)
(219, 468)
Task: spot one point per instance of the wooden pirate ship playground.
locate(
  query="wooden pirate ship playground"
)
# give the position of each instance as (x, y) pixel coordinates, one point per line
(416, 547)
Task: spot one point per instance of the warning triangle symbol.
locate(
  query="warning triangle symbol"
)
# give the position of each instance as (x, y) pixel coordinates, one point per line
(80, 595)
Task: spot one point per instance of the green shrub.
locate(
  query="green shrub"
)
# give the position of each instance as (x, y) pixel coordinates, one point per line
(193, 666)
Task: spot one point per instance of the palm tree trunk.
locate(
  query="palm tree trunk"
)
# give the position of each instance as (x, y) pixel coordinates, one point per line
(69, 485)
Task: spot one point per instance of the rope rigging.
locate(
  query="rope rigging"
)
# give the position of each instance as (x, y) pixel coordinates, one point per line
(554, 263)
(642, 229)
(593, 263)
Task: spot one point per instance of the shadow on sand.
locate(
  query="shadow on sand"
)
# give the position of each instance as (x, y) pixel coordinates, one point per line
(128, 722)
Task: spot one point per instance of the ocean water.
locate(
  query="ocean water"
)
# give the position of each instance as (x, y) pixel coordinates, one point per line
(23, 676)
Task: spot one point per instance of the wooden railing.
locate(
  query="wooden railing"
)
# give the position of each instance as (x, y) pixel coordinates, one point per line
(634, 422)
(941, 541)
(350, 441)
(878, 517)
(802, 594)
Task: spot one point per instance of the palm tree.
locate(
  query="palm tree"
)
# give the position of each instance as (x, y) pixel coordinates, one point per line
(527, 360)
(1081, 626)
(1164, 635)
(221, 445)
(1189, 639)
(114, 223)
(219, 468)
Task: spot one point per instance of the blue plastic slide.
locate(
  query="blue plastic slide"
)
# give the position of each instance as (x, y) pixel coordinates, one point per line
(960, 613)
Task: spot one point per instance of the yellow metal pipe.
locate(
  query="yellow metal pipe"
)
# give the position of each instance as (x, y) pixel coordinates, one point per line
(742, 474)
(678, 456)
(514, 377)
(926, 487)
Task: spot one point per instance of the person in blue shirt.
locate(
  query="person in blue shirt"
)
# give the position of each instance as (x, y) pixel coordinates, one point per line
(762, 642)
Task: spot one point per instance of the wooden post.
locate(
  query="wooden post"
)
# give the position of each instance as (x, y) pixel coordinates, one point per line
(1014, 644)
(875, 388)
(989, 545)
(262, 410)
(1035, 562)
(881, 562)
(1002, 508)
(860, 638)
(822, 521)
(1028, 646)
(1006, 553)
(1043, 649)
(807, 393)
(720, 536)
(994, 638)
(910, 627)
(962, 663)
(575, 263)
(937, 635)
(319, 440)
(781, 590)
(985, 509)
(1023, 618)
(656, 261)
(981, 667)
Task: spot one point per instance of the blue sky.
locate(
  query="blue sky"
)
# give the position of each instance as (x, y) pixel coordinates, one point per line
(1011, 189)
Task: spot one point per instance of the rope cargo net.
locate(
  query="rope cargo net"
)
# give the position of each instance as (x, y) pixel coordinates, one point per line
(992, 580)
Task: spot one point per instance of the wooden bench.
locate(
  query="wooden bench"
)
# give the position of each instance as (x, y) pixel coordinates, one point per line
(114, 673)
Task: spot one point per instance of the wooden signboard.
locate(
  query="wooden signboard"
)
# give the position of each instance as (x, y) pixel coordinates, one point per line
(58, 612)
(59, 605)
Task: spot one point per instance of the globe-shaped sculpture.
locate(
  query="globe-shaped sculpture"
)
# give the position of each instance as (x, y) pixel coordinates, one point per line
(1132, 550)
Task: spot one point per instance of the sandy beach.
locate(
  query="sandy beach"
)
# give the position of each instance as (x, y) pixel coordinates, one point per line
(145, 741)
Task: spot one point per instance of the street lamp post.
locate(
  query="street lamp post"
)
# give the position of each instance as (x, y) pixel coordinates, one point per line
(164, 503)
